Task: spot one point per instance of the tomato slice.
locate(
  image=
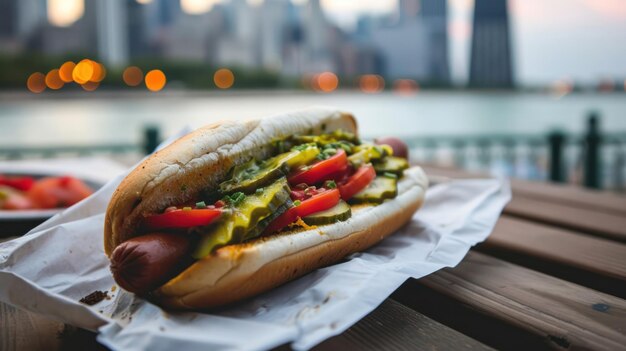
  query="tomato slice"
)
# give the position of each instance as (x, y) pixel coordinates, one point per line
(54, 192)
(19, 183)
(316, 203)
(357, 182)
(320, 171)
(181, 219)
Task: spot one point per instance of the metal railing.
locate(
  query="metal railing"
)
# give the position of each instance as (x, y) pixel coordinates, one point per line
(594, 160)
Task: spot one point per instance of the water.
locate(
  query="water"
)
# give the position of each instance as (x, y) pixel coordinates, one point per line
(89, 119)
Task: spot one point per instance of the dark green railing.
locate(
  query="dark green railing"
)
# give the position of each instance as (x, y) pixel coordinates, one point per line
(600, 158)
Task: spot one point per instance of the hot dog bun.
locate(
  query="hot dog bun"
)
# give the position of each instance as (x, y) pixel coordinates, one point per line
(201, 160)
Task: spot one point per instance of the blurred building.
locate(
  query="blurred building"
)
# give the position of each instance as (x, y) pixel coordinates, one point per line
(275, 35)
(490, 65)
(435, 17)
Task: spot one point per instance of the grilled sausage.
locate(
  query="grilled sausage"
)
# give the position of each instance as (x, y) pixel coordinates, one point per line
(141, 264)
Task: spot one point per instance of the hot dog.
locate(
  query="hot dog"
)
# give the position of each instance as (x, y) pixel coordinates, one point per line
(237, 208)
(144, 263)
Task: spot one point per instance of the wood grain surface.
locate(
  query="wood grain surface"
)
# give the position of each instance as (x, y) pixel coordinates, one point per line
(604, 224)
(596, 255)
(562, 314)
(393, 326)
(571, 195)
(20, 330)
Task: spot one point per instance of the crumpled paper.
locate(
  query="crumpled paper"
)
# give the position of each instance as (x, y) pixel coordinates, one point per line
(62, 260)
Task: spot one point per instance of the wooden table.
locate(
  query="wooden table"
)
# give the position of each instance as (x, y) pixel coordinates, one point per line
(551, 276)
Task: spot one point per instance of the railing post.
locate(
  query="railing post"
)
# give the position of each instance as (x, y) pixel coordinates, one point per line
(150, 139)
(556, 140)
(592, 153)
(618, 167)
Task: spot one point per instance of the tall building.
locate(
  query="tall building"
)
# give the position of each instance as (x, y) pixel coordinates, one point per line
(317, 33)
(403, 50)
(112, 32)
(490, 65)
(434, 16)
(274, 32)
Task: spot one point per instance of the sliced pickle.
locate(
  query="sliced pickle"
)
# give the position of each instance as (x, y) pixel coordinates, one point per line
(391, 164)
(380, 189)
(253, 174)
(366, 153)
(247, 220)
(340, 212)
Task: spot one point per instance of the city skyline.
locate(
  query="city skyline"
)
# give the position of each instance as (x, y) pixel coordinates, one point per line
(584, 43)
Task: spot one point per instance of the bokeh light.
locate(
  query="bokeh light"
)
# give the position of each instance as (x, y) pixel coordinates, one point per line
(53, 80)
(65, 71)
(63, 13)
(99, 72)
(83, 72)
(224, 78)
(155, 80)
(144, 2)
(405, 86)
(36, 82)
(196, 7)
(90, 86)
(132, 76)
(327, 82)
(371, 83)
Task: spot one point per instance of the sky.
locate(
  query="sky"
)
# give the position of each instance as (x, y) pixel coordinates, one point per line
(580, 40)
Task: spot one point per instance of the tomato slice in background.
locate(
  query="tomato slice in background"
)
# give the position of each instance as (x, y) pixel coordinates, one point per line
(19, 183)
(357, 182)
(320, 171)
(55, 192)
(181, 219)
(316, 203)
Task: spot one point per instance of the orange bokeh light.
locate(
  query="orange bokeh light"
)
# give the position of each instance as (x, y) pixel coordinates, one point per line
(224, 78)
(53, 80)
(132, 76)
(326, 82)
(65, 71)
(36, 82)
(405, 86)
(90, 86)
(155, 80)
(371, 83)
(83, 72)
(99, 72)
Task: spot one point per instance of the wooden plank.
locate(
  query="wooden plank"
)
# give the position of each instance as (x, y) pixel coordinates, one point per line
(393, 326)
(560, 314)
(596, 255)
(568, 194)
(571, 195)
(594, 262)
(607, 225)
(21, 330)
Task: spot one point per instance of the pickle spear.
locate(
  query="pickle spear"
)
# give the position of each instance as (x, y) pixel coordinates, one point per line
(254, 174)
(246, 220)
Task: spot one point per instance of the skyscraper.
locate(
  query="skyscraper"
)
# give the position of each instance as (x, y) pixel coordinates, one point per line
(434, 15)
(490, 65)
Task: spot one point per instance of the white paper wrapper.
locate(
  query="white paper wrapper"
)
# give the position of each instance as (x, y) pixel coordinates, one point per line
(61, 261)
